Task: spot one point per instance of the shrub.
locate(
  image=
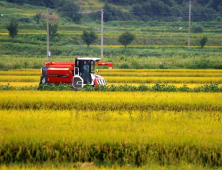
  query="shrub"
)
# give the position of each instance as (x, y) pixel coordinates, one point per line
(219, 19)
(203, 41)
(16, 66)
(136, 65)
(201, 64)
(124, 66)
(37, 17)
(197, 28)
(24, 19)
(2, 66)
(161, 66)
(149, 66)
(12, 28)
(5, 87)
(37, 65)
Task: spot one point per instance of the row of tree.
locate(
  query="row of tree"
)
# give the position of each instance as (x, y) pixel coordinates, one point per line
(67, 8)
(88, 37)
(141, 10)
(158, 10)
(215, 4)
(208, 3)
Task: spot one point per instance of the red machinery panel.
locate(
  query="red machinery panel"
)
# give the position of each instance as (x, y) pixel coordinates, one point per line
(56, 74)
(63, 64)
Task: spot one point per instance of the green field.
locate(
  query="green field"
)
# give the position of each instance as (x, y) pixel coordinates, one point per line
(158, 41)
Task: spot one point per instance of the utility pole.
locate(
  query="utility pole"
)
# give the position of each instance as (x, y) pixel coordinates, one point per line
(101, 32)
(47, 34)
(81, 5)
(189, 24)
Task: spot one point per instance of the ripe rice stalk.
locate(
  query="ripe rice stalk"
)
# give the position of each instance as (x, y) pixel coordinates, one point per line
(190, 127)
(19, 78)
(183, 71)
(141, 80)
(183, 80)
(175, 72)
(142, 101)
(161, 74)
(140, 159)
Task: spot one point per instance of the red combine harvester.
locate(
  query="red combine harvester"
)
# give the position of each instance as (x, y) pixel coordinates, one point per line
(77, 73)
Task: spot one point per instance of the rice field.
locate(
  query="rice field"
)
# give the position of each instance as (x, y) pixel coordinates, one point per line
(130, 76)
(127, 80)
(77, 166)
(33, 85)
(111, 130)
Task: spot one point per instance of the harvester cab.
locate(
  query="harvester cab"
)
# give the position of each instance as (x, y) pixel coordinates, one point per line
(78, 73)
(84, 73)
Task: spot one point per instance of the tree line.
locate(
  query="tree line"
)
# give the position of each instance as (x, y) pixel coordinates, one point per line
(166, 10)
(140, 10)
(67, 8)
(88, 37)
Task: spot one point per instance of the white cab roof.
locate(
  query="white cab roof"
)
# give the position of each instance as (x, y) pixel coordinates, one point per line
(94, 59)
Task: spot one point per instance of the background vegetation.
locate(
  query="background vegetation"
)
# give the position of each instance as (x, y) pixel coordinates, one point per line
(158, 44)
(161, 40)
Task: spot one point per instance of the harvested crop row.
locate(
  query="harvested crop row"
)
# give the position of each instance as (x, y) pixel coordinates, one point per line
(132, 72)
(160, 74)
(117, 126)
(19, 78)
(34, 84)
(165, 70)
(115, 88)
(184, 80)
(192, 85)
(21, 71)
(127, 101)
(163, 137)
(126, 80)
(21, 84)
(117, 153)
(94, 166)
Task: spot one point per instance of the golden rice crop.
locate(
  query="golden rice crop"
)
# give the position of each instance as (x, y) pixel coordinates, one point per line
(136, 127)
(122, 153)
(178, 71)
(164, 70)
(129, 73)
(92, 165)
(110, 100)
(30, 72)
(184, 80)
(163, 137)
(20, 84)
(122, 128)
(117, 79)
(19, 78)
(4, 33)
(34, 84)
(148, 84)
(161, 74)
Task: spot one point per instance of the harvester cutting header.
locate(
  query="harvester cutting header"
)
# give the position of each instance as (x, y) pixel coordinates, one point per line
(77, 73)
